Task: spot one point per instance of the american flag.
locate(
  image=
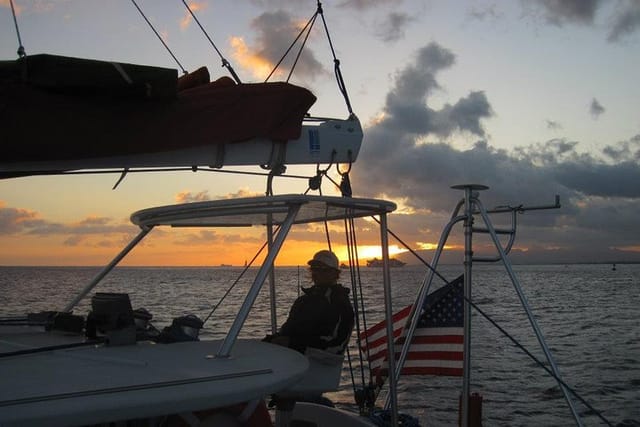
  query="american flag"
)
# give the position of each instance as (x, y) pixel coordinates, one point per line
(436, 348)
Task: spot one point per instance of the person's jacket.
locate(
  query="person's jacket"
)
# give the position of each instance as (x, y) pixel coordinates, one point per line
(321, 318)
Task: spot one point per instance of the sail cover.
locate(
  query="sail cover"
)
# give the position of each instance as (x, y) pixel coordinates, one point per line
(58, 108)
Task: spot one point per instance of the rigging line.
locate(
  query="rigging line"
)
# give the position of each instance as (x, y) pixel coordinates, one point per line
(350, 248)
(537, 361)
(159, 37)
(309, 22)
(414, 253)
(21, 52)
(336, 62)
(356, 284)
(333, 181)
(302, 45)
(225, 63)
(246, 267)
(326, 227)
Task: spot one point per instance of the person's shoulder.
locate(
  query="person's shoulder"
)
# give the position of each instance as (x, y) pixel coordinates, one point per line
(343, 289)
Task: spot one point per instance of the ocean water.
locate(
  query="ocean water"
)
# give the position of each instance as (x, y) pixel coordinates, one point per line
(589, 315)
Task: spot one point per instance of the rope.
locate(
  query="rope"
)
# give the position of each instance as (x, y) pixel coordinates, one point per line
(310, 22)
(345, 184)
(21, 52)
(225, 63)
(358, 303)
(336, 63)
(159, 37)
(302, 45)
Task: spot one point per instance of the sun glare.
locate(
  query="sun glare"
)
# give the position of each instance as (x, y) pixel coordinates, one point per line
(368, 252)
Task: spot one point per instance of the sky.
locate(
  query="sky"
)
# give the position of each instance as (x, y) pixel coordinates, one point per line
(532, 98)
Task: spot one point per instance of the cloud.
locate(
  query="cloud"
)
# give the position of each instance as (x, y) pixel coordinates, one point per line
(367, 4)
(17, 221)
(485, 12)
(189, 197)
(625, 21)
(211, 237)
(559, 12)
(408, 156)
(17, 7)
(553, 125)
(275, 33)
(201, 196)
(243, 192)
(38, 6)
(624, 150)
(392, 27)
(406, 108)
(186, 19)
(596, 109)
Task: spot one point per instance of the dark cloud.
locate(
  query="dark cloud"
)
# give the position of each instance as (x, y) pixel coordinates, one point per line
(23, 221)
(276, 31)
(485, 12)
(396, 161)
(625, 21)
(625, 18)
(406, 108)
(624, 150)
(559, 12)
(553, 125)
(366, 4)
(591, 177)
(596, 109)
(13, 220)
(211, 237)
(392, 27)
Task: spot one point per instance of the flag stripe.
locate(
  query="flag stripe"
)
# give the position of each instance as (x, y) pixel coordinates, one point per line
(437, 345)
(427, 370)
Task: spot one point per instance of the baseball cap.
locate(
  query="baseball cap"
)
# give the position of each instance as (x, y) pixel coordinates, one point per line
(324, 258)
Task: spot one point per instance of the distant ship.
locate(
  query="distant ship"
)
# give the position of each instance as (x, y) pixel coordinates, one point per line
(392, 263)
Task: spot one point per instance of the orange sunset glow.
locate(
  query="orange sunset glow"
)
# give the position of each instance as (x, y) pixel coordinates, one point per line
(260, 67)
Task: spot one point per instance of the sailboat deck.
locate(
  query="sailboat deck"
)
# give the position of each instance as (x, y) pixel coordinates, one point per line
(89, 384)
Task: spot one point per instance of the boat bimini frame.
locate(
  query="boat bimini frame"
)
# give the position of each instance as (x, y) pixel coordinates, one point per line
(280, 212)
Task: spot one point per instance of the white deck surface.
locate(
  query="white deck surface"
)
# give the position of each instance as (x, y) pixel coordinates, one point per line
(94, 384)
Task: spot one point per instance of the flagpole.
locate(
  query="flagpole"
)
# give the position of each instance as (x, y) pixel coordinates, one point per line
(422, 294)
(392, 397)
(468, 262)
